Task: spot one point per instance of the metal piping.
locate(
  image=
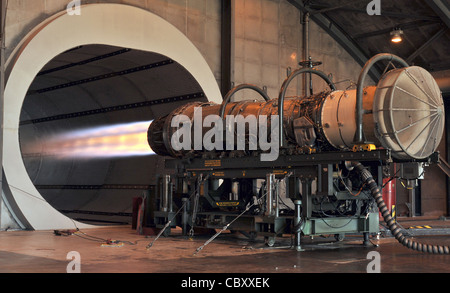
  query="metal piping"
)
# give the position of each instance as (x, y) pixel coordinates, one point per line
(306, 88)
(359, 135)
(284, 89)
(227, 98)
(336, 33)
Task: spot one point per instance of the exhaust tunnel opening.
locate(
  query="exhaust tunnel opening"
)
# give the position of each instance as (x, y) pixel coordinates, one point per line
(83, 128)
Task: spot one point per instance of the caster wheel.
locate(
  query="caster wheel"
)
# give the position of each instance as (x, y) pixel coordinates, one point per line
(269, 241)
(339, 237)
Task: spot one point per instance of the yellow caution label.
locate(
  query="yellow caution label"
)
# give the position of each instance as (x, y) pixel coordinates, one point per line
(213, 163)
(420, 227)
(279, 172)
(364, 147)
(227, 203)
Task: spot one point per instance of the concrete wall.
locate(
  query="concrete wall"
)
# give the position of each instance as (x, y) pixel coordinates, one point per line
(199, 20)
(433, 191)
(268, 37)
(269, 40)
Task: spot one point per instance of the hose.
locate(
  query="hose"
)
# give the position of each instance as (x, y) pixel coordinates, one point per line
(359, 135)
(393, 227)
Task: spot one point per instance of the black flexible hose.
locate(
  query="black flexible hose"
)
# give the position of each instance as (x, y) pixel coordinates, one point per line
(395, 229)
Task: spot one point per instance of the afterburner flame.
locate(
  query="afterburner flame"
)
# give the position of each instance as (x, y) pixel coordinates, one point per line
(122, 140)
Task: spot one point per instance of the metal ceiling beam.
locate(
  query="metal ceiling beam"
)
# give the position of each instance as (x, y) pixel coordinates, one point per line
(426, 45)
(338, 35)
(405, 26)
(442, 9)
(385, 13)
(337, 7)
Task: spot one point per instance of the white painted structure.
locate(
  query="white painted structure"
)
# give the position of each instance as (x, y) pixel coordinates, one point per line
(106, 24)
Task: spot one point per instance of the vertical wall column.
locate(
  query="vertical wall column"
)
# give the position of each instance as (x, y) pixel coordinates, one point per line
(447, 120)
(226, 45)
(2, 91)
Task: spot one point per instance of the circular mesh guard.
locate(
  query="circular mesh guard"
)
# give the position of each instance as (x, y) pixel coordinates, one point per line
(409, 113)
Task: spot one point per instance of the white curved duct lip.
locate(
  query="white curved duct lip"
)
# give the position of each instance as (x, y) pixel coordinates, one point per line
(107, 24)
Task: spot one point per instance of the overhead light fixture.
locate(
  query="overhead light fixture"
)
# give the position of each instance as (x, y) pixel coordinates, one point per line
(396, 36)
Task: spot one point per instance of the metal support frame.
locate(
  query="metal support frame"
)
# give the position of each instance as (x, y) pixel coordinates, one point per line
(412, 198)
(442, 9)
(422, 48)
(405, 26)
(166, 194)
(297, 225)
(385, 13)
(307, 197)
(337, 34)
(204, 165)
(271, 196)
(336, 7)
(304, 169)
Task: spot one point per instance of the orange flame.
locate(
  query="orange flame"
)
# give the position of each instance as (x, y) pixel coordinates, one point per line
(123, 140)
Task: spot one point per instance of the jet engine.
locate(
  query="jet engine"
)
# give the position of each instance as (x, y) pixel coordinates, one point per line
(329, 157)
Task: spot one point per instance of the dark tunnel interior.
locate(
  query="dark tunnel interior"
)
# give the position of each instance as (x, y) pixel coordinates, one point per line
(94, 90)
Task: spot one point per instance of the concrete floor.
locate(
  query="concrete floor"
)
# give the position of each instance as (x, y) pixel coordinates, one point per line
(44, 252)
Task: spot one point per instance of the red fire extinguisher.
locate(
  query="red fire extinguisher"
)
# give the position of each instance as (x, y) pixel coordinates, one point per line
(389, 195)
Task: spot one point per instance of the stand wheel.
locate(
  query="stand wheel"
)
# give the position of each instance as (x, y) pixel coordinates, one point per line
(252, 235)
(269, 241)
(339, 237)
